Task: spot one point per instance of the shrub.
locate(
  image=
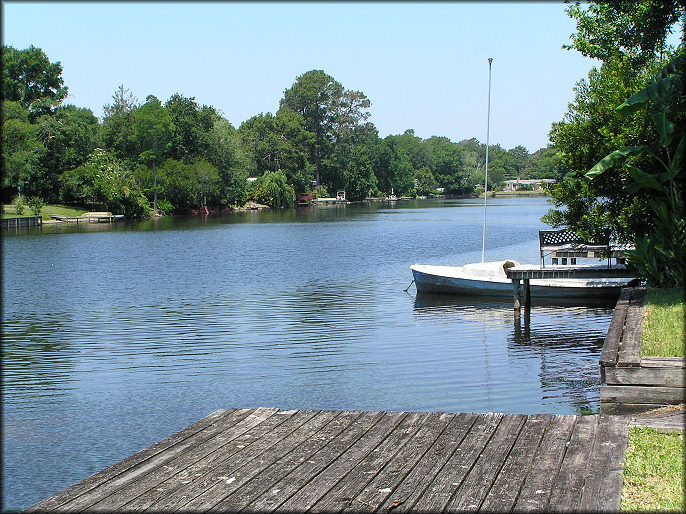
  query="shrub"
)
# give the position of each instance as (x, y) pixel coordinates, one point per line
(19, 205)
(36, 204)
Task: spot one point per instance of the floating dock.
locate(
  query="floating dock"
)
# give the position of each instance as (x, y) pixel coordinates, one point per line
(264, 459)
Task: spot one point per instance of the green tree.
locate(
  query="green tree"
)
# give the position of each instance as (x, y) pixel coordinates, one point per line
(116, 131)
(359, 176)
(208, 182)
(473, 163)
(313, 96)
(545, 163)
(229, 157)
(335, 116)
(446, 169)
(409, 154)
(634, 31)
(21, 149)
(178, 185)
(426, 183)
(152, 132)
(104, 182)
(660, 254)
(633, 49)
(272, 189)
(192, 125)
(69, 136)
(516, 161)
(28, 77)
(279, 143)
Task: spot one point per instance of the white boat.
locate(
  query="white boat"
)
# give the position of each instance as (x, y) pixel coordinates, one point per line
(490, 279)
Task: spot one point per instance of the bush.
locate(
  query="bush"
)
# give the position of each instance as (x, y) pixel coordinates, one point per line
(271, 189)
(36, 204)
(164, 206)
(19, 205)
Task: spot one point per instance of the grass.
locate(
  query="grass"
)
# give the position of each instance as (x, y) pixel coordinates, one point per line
(653, 471)
(663, 323)
(46, 211)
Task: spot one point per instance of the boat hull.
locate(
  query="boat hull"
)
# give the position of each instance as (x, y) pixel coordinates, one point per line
(458, 281)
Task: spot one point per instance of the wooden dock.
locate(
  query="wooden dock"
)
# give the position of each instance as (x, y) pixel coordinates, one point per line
(20, 222)
(260, 460)
(631, 383)
(526, 273)
(90, 217)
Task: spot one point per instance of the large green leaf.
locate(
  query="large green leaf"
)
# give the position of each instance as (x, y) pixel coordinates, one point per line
(612, 159)
(675, 166)
(664, 127)
(655, 88)
(643, 180)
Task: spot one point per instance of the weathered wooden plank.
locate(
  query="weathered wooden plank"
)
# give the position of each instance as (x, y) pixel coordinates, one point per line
(95, 480)
(611, 408)
(480, 478)
(566, 491)
(642, 394)
(610, 352)
(316, 487)
(505, 489)
(413, 485)
(368, 467)
(186, 476)
(247, 480)
(374, 494)
(449, 478)
(646, 376)
(663, 362)
(129, 481)
(536, 489)
(270, 489)
(230, 474)
(603, 485)
(670, 419)
(629, 351)
(631, 338)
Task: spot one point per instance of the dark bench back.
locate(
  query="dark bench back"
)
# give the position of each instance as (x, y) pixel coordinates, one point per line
(556, 237)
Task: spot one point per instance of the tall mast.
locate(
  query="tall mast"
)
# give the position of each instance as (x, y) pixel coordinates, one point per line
(488, 128)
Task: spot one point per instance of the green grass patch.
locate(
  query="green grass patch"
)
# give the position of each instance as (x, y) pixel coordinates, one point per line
(663, 323)
(653, 471)
(48, 209)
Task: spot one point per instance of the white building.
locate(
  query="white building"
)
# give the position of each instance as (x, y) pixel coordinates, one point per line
(514, 185)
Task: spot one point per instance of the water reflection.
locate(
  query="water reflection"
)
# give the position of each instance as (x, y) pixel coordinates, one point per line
(565, 337)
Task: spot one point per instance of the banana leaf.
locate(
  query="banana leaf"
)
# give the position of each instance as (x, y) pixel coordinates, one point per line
(612, 159)
(655, 88)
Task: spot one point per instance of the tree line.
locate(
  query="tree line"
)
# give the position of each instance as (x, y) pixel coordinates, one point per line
(178, 155)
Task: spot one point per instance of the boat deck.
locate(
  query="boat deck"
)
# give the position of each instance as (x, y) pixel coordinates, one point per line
(265, 459)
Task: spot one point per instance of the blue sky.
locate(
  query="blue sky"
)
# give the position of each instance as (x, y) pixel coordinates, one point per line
(424, 66)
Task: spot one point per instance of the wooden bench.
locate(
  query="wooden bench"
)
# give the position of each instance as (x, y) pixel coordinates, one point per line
(564, 244)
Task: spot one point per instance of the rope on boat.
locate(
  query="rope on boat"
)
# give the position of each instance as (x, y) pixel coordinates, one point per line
(408, 287)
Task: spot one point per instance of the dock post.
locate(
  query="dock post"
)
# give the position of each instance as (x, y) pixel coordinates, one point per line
(527, 294)
(517, 302)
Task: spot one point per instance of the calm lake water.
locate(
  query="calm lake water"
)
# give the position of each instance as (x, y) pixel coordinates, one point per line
(116, 336)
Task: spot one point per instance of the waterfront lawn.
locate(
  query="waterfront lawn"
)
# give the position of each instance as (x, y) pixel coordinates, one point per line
(653, 471)
(663, 323)
(46, 211)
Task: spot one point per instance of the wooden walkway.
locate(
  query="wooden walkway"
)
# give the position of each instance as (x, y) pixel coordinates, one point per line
(259, 460)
